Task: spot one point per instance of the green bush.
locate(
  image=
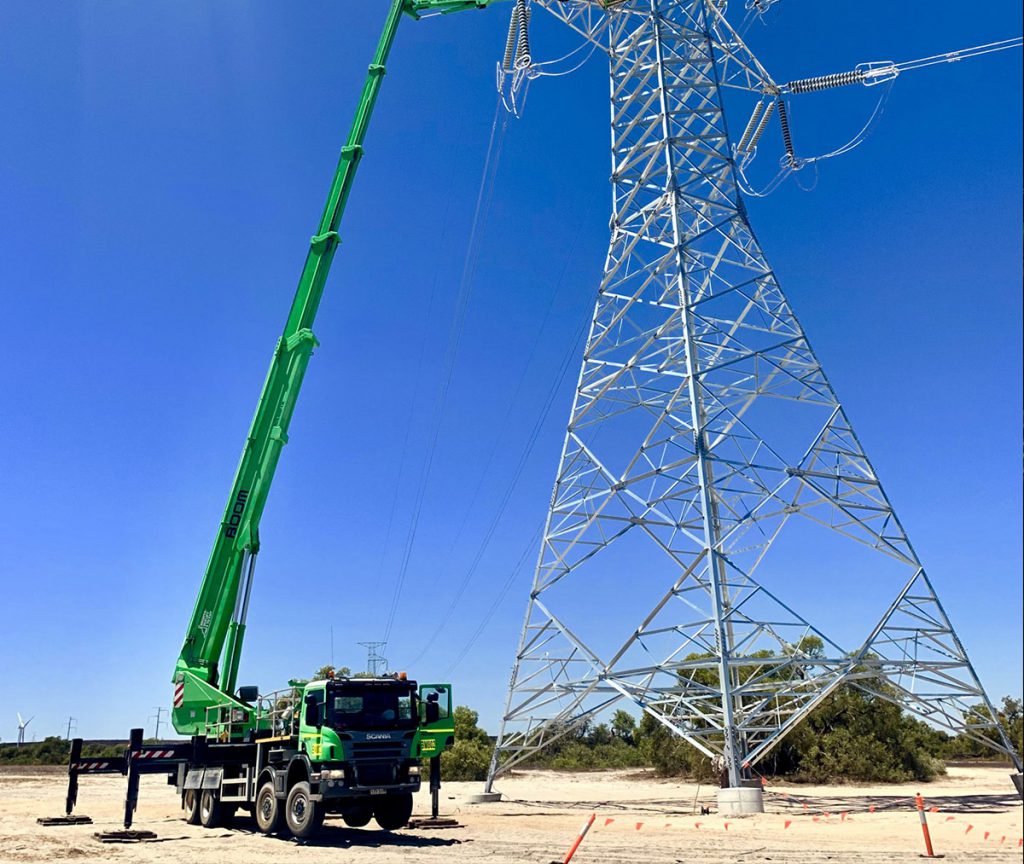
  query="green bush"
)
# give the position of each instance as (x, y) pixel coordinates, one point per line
(467, 760)
(668, 754)
(470, 756)
(858, 737)
(1011, 718)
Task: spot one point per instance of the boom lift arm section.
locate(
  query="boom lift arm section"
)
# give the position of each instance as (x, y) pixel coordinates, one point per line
(207, 668)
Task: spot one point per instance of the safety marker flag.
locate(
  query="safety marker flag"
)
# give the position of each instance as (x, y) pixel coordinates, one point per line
(638, 825)
(608, 821)
(968, 831)
(787, 824)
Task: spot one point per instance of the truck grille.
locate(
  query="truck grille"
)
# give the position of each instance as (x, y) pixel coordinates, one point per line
(378, 750)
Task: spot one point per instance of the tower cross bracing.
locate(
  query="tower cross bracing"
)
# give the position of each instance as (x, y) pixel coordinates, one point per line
(703, 435)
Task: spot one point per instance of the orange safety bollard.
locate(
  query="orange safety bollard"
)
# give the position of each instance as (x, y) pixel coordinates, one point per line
(579, 839)
(924, 828)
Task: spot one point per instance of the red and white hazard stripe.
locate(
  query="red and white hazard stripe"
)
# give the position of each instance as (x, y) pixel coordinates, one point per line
(179, 694)
(154, 754)
(91, 766)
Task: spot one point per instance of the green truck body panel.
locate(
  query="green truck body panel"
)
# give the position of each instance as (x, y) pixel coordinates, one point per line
(433, 738)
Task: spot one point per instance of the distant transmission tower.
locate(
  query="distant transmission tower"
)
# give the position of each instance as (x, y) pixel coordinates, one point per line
(704, 437)
(376, 663)
(160, 711)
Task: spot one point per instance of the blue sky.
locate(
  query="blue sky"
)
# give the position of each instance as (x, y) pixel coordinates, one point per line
(162, 166)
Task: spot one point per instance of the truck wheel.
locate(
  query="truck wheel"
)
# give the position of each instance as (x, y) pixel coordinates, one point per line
(394, 811)
(303, 815)
(191, 807)
(357, 817)
(209, 809)
(269, 812)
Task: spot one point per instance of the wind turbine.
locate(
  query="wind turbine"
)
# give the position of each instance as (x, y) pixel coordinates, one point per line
(21, 727)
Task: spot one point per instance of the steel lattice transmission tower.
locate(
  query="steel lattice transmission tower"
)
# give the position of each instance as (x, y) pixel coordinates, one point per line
(703, 434)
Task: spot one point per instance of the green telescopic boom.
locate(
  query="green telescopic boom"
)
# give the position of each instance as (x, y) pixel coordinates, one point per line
(207, 667)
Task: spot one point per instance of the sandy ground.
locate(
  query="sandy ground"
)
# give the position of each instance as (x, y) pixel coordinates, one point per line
(639, 819)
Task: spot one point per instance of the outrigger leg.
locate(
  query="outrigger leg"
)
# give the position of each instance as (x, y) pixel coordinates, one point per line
(435, 821)
(131, 800)
(74, 765)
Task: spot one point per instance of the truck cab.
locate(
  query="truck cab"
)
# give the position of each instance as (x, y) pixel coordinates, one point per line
(354, 749)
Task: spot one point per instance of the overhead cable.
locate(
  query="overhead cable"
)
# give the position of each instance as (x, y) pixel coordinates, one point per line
(482, 210)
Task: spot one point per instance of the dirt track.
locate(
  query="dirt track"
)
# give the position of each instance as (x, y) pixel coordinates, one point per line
(539, 817)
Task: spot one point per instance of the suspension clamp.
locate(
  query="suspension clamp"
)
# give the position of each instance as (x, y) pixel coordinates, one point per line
(319, 242)
(352, 152)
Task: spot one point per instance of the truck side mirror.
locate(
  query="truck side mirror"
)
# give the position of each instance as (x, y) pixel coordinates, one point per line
(313, 712)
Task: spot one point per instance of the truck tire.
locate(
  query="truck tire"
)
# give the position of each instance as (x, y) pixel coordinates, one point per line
(303, 815)
(209, 809)
(393, 811)
(357, 817)
(269, 812)
(191, 801)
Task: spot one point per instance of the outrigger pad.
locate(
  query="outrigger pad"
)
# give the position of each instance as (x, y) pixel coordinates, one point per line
(64, 820)
(124, 836)
(443, 822)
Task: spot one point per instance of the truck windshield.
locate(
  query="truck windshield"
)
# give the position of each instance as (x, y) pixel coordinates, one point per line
(361, 706)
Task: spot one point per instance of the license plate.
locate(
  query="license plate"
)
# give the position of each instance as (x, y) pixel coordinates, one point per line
(378, 791)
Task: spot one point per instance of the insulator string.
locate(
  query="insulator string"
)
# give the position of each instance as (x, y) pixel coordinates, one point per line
(522, 60)
(510, 41)
(824, 82)
(748, 132)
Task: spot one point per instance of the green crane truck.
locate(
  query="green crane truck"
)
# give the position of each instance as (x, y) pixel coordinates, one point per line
(347, 746)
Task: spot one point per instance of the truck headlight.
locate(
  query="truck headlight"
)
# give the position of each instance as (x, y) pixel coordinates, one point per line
(414, 770)
(333, 774)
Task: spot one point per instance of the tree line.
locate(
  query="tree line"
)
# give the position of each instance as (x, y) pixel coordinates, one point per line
(850, 736)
